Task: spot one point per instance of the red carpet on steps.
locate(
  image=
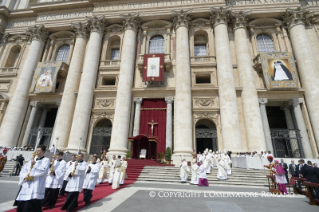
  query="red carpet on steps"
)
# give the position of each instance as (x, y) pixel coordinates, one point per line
(134, 169)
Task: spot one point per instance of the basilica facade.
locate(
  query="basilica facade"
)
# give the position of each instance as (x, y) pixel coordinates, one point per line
(128, 75)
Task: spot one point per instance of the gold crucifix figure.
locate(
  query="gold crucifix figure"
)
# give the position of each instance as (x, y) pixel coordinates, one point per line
(152, 125)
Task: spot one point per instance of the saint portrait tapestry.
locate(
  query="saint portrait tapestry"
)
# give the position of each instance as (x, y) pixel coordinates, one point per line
(153, 70)
(279, 70)
(45, 76)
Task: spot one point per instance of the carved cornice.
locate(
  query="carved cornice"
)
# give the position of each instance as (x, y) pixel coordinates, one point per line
(205, 102)
(169, 99)
(181, 18)
(299, 16)
(96, 24)
(138, 100)
(34, 104)
(131, 21)
(206, 115)
(39, 33)
(103, 114)
(4, 37)
(295, 102)
(219, 15)
(80, 29)
(285, 106)
(240, 19)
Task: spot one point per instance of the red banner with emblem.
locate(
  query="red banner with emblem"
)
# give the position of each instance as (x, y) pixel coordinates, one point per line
(153, 68)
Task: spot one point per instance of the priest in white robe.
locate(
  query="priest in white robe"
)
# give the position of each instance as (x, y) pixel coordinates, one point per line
(75, 183)
(183, 171)
(66, 174)
(117, 173)
(32, 182)
(123, 172)
(228, 163)
(90, 181)
(221, 173)
(103, 171)
(194, 180)
(111, 172)
(202, 177)
(54, 182)
(207, 163)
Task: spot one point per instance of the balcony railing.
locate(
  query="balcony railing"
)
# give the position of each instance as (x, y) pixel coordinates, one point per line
(8, 71)
(203, 59)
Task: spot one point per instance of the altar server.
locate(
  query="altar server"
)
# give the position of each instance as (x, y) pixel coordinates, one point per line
(32, 182)
(54, 182)
(117, 173)
(111, 166)
(75, 183)
(90, 181)
(103, 171)
(66, 174)
(123, 171)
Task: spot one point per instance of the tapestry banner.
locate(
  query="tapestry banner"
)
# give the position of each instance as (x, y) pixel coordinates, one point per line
(153, 68)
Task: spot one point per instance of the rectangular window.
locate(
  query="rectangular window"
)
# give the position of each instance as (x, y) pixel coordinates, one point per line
(108, 80)
(115, 54)
(203, 79)
(200, 50)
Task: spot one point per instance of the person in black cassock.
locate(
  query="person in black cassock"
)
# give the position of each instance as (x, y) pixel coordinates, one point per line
(90, 180)
(66, 175)
(54, 182)
(75, 184)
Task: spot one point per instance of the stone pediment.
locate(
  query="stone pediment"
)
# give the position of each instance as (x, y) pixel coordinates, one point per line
(62, 34)
(265, 22)
(200, 23)
(157, 24)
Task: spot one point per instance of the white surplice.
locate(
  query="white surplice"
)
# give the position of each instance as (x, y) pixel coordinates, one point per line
(227, 164)
(207, 164)
(102, 172)
(202, 172)
(117, 174)
(68, 170)
(111, 172)
(91, 178)
(183, 171)
(75, 183)
(56, 180)
(123, 172)
(195, 167)
(221, 173)
(33, 189)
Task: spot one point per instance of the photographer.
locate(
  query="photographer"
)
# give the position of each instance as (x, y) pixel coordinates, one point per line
(19, 163)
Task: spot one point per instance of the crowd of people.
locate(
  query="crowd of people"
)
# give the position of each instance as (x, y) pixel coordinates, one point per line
(263, 154)
(41, 181)
(25, 148)
(202, 164)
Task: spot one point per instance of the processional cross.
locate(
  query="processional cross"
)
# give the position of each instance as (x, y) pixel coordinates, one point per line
(152, 125)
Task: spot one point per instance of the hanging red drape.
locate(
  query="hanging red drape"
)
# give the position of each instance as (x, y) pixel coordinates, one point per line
(154, 109)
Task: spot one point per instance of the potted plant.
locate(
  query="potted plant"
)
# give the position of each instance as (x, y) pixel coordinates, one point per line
(168, 155)
(128, 155)
(160, 156)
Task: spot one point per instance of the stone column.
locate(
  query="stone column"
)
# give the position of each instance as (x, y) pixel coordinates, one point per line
(227, 93)
(253, 122)
(43, 116)
(12, 122)
(52, 44)
(280, 40)
(287, 42)
(66, 109)
(305, 142)
(307, 66)
(137, 117)
(169, 121)
(120, 128)
(267, 135)
(253, 41)
(183, 144)
(313, 39)
(83, 108)
(26, 136)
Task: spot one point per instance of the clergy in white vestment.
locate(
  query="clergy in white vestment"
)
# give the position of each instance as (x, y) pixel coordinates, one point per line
(123, 171)
(103, 171)
(221, 173)
(111, 172)
(194, 179)
(117, 173)
(66, 174)
(54, 182)
(183, 171)
(199, 155)
(32, 182)
(90, 181)
(202, 177)
(52, 149)
(228, 163)
(75, 183)
(207, 163)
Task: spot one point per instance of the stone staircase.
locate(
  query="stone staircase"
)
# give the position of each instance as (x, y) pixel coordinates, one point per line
(8, 168)
(239, 176)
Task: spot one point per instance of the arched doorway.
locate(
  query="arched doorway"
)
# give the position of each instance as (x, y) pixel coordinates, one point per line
(206, 135)
(101, 136)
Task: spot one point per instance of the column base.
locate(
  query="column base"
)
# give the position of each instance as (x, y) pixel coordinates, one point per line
(177, 158)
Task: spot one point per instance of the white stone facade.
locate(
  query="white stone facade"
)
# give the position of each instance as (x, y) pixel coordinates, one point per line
(212, 75)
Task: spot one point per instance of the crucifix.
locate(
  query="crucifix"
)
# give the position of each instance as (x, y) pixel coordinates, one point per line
(152, 125)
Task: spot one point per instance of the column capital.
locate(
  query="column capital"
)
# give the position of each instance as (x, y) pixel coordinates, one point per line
(131, 21)
(138, 100)
(181, 18)
(4, 37)
(34, 104)
(299, 16)
(220, 15)
(169, 99)
(295, 102)
(240, 19)
(285, 106)
(39, 33)
(263, 101)
(95, 24)
(80, 29)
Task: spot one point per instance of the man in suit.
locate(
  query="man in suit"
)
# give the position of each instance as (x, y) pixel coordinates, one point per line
(308, 172)
(293, 169)
(285, 167)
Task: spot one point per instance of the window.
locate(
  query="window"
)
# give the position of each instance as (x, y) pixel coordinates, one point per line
(13, 56)
(200, 50)
(156, 45)
(203, 79)
(109, 80)
(264, 43)
(63, 53)
(115, 54)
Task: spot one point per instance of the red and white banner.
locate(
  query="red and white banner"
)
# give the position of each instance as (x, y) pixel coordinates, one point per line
(153, 68)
